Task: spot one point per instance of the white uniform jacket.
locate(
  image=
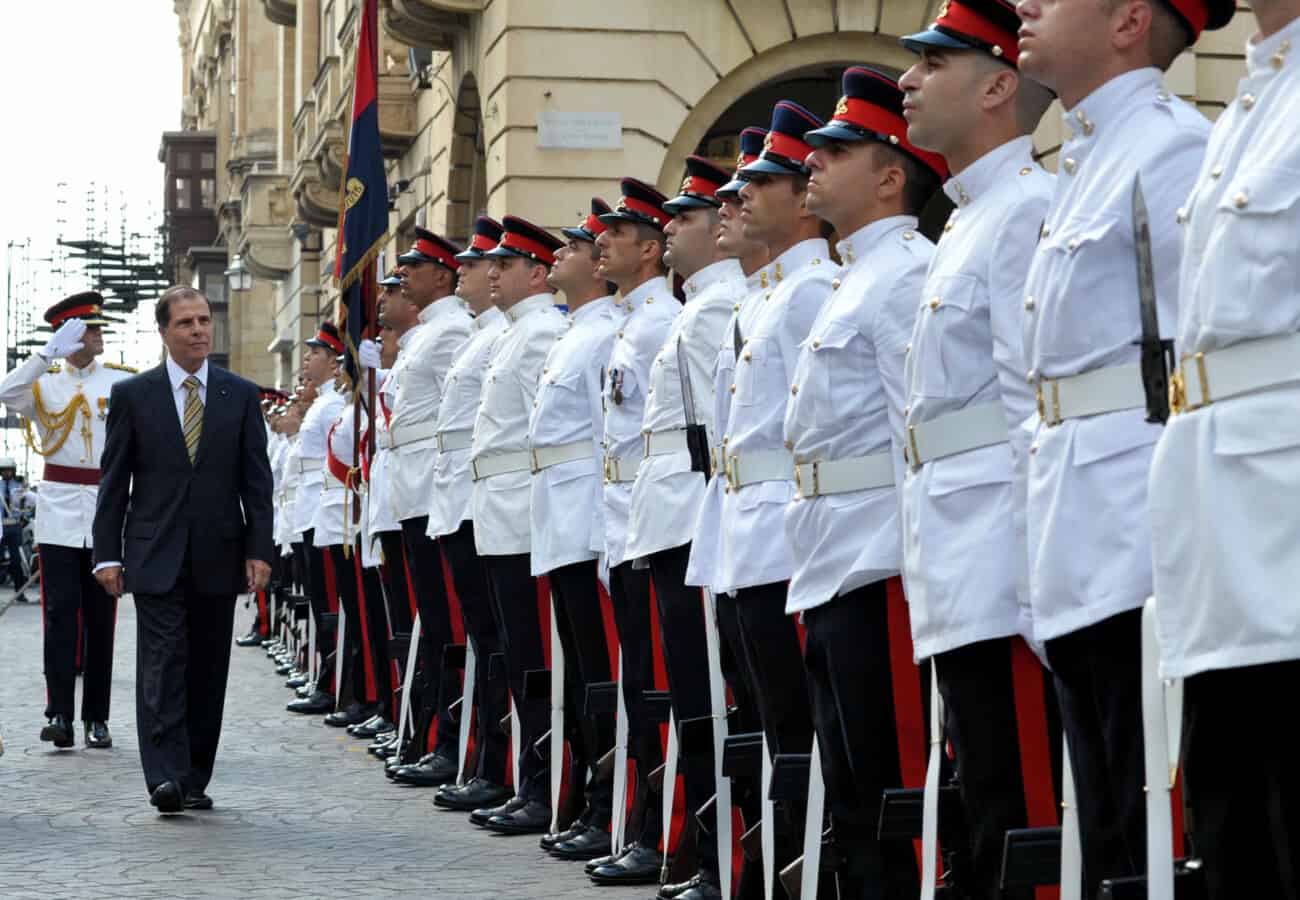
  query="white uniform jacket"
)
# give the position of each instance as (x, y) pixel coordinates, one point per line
(1225, 477)
(415, 385)
(567, 523)
(753, 548)
(706, 542)
(965, 564)
(332, 519)
(286, 535)
(308, 460)
(1088, 541)
(651, 309)
(850, 405)
(64, 512)
(502, 525)
(379, 515)
(666, 496)
(450, 495)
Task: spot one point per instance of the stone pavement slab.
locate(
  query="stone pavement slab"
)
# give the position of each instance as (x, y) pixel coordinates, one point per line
(301, 809)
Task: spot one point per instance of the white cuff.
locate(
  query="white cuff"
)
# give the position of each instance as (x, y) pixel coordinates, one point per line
(104, 565)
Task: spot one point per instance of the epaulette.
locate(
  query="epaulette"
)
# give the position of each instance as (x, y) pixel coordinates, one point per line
(121, 368)
(54, 370)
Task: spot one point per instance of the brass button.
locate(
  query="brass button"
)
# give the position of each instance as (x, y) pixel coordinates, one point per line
(1030, 304)
(908, 348)
(947, 226)
(1069, 165)
(1072, 245)
(649, 300)
(909, 235)
(620, 335)
(907, 411)
(1044, 231)
(1181, 216)
(794, 389)
(733, 389)
(748, 356)
(1241, 201)
(816, 344)
(1247, 101)
(1025, 171)
(1033, 448)
(835, 284)
(1163, 96)
(736, 308)
(1217, 171)
(1031, 376)
(934, 303)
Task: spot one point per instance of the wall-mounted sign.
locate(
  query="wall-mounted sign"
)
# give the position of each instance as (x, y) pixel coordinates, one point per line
(579, 130)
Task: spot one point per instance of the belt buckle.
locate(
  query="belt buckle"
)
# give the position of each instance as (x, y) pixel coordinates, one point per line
(438, 438)
(915, 461)
(815, 465)
(645, 441)
(473, 464)
(1051, 417)
(534, 464)
(1203, 376)
(730, 471)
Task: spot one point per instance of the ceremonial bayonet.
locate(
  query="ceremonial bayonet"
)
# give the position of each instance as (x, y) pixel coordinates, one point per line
(697, 436)
(1157, 352)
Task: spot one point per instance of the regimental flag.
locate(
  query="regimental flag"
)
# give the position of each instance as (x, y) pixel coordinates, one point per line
(363, 207)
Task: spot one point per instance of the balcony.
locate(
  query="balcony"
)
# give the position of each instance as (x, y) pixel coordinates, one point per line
(315, 203)
(435, 24)
(265, 242)
(282, 12)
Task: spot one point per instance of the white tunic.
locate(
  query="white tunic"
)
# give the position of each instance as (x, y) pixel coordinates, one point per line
(706, 542)
(850, 404)
(567, 524)
(502, 525)
(311, 452)
(1225, 478)
(450, 494)
(965, 565)
(1088, 541)
(286, 535)
(651, 308)
(65, 513)
(415, 390)
(332, 519)
(379, 516)
(753, 548)
(666, 496)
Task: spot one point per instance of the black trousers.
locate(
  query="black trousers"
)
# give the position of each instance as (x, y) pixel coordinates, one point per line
(681, 619)
(319, 599)
(580, 625)
(514, 600)
(366, 635)
(1098, 674)
(441, 681)
(67, 589)
(13, 539)
(491, 688)
(397, 587)
(183, 642)
(977, 683)
(298, 578)
(1241, 786)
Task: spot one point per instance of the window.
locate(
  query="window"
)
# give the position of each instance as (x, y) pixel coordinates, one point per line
(184, 160)
(207, 161)
(181, 193)
(327, 36)
(208, 193)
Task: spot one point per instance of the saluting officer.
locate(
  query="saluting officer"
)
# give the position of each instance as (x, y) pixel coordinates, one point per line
(1088, 537)
(68, 404)
(1225, 478)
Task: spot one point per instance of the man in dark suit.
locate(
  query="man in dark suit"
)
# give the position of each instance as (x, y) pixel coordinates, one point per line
(185, 471)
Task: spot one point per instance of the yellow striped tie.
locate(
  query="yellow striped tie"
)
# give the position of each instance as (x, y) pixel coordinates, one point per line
(192, 423)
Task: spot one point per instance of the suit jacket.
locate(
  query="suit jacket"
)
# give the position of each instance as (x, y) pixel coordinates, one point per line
(155, 507)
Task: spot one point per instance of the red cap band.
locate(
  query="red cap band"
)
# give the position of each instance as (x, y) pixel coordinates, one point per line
(642, 208)
(594, 225)
(1196, 12)
(785, 145)
(529, 247)
(482, 243)
(330, 341)
(441, 254)
(76, 312)
(699, 187)
(963, 20)
(854, 111)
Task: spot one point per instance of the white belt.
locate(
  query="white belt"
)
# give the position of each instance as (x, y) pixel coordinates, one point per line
(500, 464)
(843, 476)
(1107, 390)
(662, 443)
(455, 440)
(761, 465)
(955, 432)
(545, 457)
(1255, 365)
(401, 435)
(621, 469)
(310, 465)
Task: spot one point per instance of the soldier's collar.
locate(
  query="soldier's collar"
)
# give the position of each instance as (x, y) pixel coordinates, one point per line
(1273, 54)
(998, 166)
(598, 307)
(528, 305)
(487, 317)
(857, 245)
(722, 270)
(69, 368)
(1108, 102)
(441, 305)
(646, 292)
(812, 252)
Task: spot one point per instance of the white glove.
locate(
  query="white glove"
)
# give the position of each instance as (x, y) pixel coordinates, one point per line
(66, 341)
(368, 353)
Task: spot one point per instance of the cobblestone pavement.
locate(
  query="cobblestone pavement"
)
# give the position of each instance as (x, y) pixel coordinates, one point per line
(301, 810)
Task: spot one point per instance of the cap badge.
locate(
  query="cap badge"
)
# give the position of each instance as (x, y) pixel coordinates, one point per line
(943, 10)
(767, 141)
(842, 108)
(686, 184)
(740, 159)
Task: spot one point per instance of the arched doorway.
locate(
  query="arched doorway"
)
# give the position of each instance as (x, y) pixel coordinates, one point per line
(467, 175)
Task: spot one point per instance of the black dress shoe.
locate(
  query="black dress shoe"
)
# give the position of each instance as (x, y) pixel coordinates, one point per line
(97, 735)
(352, 729)
(197, 800)
(639, 865)
(477, 793)
(592, 843)
(252, 639)
(354, 714)
(533, 817)
(670, 891)
(313, 704)
(481, 816)
(704, 889)
(374, 726)
(284, 668)
(433, 773)
(58, 731)
(302, 679)
(606, 860)
(167, 798)
(551, 838)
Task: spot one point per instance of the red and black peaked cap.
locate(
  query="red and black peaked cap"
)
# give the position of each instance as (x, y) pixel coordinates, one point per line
(641, 204)
(751, 145)
(327, 337)
(487, 234)
(784, 148)
(429, 247)
(699, 187)
(988, 25)
(87, 306)
(1203, 15)
(591, 227)
(871, 109)
(523, 238)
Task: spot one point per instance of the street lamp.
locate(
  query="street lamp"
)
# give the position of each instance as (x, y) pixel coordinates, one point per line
(238, 278)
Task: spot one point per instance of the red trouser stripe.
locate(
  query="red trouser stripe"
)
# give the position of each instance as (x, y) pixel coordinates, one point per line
(611, 629)
(410, 583)
(331, 586)
(544, 616)
(453, 601)
(263, 615)
(367, 652)
(909, 708)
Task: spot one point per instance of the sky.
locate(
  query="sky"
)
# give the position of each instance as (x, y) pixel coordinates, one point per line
(89, 88)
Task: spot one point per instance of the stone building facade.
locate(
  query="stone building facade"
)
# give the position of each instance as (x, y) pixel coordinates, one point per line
(521, 106)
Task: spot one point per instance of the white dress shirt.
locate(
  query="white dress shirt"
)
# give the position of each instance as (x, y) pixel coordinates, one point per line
(850, 404)
(1088, 540)
(965, 563)
(415, 387)
(449, 497)
(310, 453)
(502, 523)
(651, 309)
(706, 542)
(177, 376)
(567, 521)
(1225, 477)
(753, 545)
(666, 496)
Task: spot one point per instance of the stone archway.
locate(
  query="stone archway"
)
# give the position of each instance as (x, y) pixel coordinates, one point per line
(467, 173)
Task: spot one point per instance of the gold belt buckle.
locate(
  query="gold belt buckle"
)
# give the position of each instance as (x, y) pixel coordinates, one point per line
(798, 481)
(604, 469)
(915, 461)
(1177, 393)
(1202, 374)
(535, 464)
(733, 479)
(1051, 417)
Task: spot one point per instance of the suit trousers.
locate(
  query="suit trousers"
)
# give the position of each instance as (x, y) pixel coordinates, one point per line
(13, 540)
(580, 625)
(183, 643)
(1098, 671)
(681, 618)
(71, 597)
(1241, 786)
(514, 600)
(441, 681)
(629, 591)
(318, 596)
(491, 688)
